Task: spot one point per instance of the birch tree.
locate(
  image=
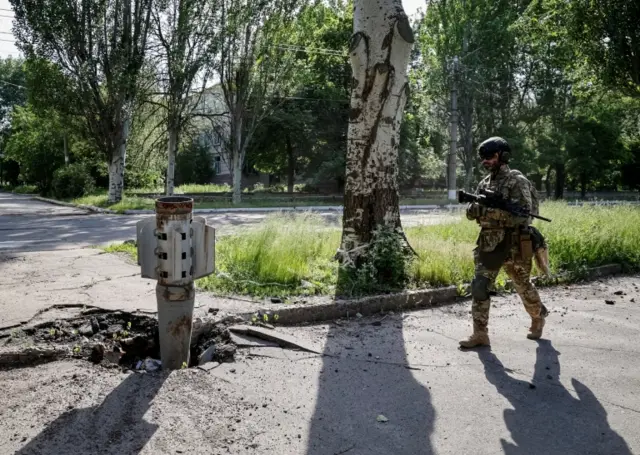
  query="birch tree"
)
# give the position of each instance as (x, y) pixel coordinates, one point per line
(100, 48)
(186, 39)
(379, 51)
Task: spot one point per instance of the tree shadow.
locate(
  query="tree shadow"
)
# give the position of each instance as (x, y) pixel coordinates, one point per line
(116, 426)
(365, 375)
(546, 418)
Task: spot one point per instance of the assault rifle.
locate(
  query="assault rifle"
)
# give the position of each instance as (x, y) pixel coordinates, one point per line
(495, 200)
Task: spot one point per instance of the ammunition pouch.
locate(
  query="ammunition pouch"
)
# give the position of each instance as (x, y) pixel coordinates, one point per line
(525, 243)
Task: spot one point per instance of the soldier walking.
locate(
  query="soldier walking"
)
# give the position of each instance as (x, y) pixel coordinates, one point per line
(504, 241)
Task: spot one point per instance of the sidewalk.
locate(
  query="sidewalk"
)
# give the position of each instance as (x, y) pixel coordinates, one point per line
(32, 282)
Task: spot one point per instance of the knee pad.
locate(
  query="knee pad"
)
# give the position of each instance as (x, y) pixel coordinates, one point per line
(480, 288)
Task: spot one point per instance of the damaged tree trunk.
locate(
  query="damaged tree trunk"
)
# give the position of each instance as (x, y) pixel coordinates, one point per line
(379, 51)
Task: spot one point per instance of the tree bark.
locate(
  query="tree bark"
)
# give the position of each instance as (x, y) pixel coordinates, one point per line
(379, 51)
(559, 193)
(237, 160)
(117, 166)
(171, 165)
(65, 147)
(547, 182)
(291, 165)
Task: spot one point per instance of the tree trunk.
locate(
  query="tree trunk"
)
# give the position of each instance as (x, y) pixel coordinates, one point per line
(65, 149)
(236, 161)
(583, 185)
(547, 182)
(559, 194)
(291, 163)
(379, 51)
(171, 165)
(117, 165)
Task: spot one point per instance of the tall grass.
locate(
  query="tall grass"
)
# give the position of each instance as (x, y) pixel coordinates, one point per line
(292, 254)
(275, 259)
(289, 254)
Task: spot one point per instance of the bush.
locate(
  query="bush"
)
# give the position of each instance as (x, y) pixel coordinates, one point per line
(72, 181)
(194, 164)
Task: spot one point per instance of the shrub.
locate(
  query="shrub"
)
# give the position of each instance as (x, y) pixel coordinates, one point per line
(194, 164)
(72, 181)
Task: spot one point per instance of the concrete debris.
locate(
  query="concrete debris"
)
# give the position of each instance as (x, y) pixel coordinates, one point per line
(207, 355)
(86, 330)
(209, 366)
(280, 338)
(242, 340)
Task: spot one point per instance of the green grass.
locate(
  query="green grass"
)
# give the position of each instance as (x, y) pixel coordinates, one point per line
(132, 202)
(292, 254)
(25, 189)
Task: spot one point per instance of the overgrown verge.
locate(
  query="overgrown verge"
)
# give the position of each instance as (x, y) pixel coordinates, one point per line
(292, 254)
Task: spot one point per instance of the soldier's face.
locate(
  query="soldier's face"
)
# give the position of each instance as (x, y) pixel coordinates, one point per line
(490, 163)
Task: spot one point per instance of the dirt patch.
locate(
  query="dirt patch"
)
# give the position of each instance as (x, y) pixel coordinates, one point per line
(112, 339)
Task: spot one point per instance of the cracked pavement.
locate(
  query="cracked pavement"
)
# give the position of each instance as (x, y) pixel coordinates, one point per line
(576, 391)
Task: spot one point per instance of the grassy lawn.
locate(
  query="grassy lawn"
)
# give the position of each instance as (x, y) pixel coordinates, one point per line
(133, 202)
(292, 254)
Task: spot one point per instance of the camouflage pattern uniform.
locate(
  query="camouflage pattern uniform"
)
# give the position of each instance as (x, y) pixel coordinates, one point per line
(498, 246)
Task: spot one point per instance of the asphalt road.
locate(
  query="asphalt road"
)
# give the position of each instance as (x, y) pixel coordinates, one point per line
(27, 224)
(393, 384)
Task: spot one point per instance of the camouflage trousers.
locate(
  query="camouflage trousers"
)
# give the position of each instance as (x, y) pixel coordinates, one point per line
(520, 273)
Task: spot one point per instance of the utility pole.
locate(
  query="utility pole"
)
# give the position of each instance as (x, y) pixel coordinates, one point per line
(452, 162)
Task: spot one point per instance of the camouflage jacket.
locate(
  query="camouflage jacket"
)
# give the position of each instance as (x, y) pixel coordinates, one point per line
(513, 186)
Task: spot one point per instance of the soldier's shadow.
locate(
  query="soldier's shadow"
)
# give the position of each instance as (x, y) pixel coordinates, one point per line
(115, 426)
(547, 419)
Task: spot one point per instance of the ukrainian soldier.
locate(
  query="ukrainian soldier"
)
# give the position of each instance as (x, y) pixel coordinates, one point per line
(504, 241)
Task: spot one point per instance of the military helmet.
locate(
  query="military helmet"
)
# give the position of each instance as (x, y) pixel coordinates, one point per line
(494, 145)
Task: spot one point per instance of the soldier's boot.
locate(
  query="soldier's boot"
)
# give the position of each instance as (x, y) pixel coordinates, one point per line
(479, 337)
(537, 324)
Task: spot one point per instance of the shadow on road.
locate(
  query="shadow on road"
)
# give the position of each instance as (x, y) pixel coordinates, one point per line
(116, 426)
(547, 419)
(364, 375)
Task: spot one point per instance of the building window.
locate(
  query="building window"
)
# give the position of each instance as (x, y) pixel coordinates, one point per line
(216, 164)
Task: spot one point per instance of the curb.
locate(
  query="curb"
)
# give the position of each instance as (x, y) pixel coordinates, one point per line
(410, 300)
(305, 208)
(90, 208)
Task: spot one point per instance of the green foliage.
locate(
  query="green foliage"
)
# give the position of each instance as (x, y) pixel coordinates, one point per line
(194, 164)
(25, 189)
(287, 255)
(385, 266)
(606, 32)
(293, 255)
(36, 145)
(72, 181)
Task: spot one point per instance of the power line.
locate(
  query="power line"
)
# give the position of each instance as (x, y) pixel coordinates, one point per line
(8, 40)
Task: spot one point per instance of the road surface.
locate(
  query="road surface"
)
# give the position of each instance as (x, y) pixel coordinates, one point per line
(575, 392)
(31, 225)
